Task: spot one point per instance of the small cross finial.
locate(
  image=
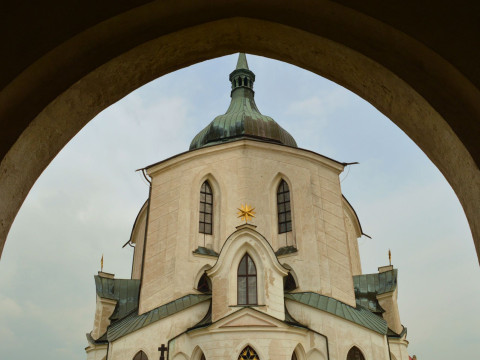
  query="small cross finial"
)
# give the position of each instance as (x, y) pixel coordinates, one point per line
(101, 264)
(162, 350)
(389, 256)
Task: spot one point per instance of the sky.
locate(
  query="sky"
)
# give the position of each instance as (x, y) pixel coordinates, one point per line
(86, 201)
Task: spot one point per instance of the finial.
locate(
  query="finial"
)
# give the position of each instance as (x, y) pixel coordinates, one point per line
(101, 264)
(389, 256)
(242, 62)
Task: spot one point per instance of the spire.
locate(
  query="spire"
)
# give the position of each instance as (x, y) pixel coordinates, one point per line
(242, 62)
(242, 77)
(242, 120)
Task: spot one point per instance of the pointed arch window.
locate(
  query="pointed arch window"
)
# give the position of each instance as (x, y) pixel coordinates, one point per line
(206, 209)
(140, 356)
(247, 282)
(294, 356)
(355, 354)
(284, 208)
(248, 354)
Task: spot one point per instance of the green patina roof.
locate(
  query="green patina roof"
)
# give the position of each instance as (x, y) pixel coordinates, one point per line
(205, 251)
(242, 120)
(286, 250)
(124, 291)
(358, 315)
(368, 286)
(133, 321)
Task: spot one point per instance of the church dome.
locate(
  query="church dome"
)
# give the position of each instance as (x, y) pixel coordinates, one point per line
(242, 120)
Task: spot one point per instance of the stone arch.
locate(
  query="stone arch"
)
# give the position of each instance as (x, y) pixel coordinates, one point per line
(197, 353)
(140, 355)
(254, 348)
(300, 352)
(402, 83)
(354, 353)
(180, 356)
(247, 240)
(293, 274)
(315, 354)
(199, 275)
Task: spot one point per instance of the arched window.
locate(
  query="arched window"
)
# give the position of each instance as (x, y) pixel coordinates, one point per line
(202, 357)
(204, 284)
(294, 356)
(140, 356)
(289, 283)
(355, 354)
(248, 354)
(247, 282)
(284, 209)
(206, 209)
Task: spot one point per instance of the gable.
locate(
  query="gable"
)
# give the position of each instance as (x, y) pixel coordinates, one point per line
(249, 320)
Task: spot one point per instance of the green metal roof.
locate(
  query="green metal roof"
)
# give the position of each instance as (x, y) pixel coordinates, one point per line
(358, 315)
(242, 119)
(124, 291)
(286, 250)
(205, 251)
(133, 321)
(368, 286)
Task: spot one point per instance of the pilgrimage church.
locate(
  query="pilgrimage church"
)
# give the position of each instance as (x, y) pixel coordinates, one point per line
(246, 249)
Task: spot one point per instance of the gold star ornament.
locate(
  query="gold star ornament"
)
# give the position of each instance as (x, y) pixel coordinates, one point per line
(245, 212)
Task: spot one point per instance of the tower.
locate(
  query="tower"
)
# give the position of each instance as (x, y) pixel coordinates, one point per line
(207, 285)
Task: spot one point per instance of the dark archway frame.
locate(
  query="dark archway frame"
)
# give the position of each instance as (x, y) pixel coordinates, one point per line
(70, 80)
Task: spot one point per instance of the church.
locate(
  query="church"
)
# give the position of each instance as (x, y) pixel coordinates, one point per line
(246, 249)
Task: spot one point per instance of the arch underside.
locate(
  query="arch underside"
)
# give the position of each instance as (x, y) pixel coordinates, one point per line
(65, 80)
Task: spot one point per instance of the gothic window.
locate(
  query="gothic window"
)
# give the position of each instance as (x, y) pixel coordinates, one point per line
(355, 354)
(248, 354)
(294, 356)
(284, 209)
(289, 283)
(247, 282)
(140, 356)
(203, 357)
(206, 209)
(204, 284)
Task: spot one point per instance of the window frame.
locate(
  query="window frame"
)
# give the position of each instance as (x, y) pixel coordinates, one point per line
(203, 224)
(247, 276)
(284, 217)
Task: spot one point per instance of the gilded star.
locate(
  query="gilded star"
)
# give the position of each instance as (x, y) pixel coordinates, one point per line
(245, 212)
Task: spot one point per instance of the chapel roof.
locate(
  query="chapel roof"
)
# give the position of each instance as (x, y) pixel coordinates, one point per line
(368, 286)
(124, 291)
(242, 120)
(359, 315)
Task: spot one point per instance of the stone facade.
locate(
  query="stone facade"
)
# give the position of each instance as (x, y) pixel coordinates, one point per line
(306, 297)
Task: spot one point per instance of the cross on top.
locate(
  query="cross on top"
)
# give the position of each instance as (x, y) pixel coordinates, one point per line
(162, 350)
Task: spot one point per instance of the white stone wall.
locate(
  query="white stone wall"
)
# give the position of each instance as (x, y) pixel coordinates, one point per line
(104, 309)
(138, 238)
(149, 338)
(97, 352)
(270, 273)
(398, 348)
(246, 172)
(342, 334)
(269, 337)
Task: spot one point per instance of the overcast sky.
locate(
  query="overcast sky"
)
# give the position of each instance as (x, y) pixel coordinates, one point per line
(86, 201)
